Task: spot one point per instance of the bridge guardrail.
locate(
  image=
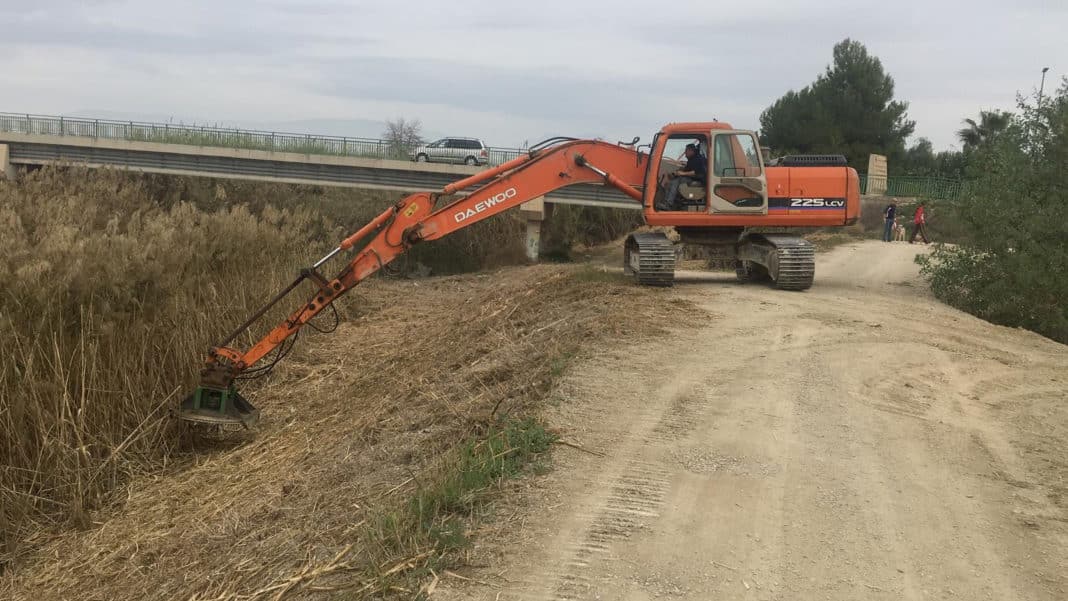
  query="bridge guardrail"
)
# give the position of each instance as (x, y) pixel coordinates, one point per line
(165, 133)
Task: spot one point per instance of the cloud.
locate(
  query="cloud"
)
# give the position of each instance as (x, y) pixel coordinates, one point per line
(513, 71)
(538, 93)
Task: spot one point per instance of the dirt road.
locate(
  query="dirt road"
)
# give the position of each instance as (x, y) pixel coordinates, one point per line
(856, 441)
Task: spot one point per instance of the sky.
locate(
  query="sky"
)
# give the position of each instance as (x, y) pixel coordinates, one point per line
(510, 72)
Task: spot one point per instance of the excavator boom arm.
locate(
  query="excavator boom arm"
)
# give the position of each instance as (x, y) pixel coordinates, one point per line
(414, 219)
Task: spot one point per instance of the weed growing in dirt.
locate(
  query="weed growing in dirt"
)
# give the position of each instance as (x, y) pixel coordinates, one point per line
(391, 407)
(435, 517)
(115, 284)
(502, 453)
(558, 364)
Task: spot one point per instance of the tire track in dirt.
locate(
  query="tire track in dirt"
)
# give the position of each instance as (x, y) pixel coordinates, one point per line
(633, 489)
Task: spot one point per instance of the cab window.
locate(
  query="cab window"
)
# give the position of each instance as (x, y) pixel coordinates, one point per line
(683, 193)
(736, 155)
(675, 148)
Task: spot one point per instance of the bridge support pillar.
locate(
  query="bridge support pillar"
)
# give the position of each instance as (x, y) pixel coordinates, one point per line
(534, 212)
(533, 239)
(7, 170)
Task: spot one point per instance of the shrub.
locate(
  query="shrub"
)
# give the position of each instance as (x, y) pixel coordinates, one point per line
(1011, 263)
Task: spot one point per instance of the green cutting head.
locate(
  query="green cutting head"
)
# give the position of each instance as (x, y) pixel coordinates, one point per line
(215, 406)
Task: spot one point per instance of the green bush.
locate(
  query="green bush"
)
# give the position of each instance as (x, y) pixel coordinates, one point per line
(1011, 264)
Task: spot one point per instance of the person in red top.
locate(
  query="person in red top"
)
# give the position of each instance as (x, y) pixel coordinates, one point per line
(919, 225)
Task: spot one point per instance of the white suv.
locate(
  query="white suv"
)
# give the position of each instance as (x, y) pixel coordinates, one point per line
(469, 151)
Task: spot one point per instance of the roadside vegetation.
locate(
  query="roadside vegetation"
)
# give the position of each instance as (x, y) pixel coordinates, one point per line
(1010, 263)
(114, 285)
(849, 109)
(569, 226)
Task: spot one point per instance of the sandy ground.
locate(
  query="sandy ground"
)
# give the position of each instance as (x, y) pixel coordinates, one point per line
(856, 441)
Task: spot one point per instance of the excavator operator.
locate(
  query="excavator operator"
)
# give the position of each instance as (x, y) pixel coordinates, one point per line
(694, 171)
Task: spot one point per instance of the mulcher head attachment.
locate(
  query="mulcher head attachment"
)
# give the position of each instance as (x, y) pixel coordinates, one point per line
(216, 401)
(219, 407)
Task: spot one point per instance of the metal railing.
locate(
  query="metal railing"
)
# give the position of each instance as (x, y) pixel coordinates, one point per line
(222, 137)
(935, 188)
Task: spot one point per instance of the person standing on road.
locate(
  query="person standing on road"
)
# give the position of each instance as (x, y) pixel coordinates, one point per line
(889, 214)
(919, 225)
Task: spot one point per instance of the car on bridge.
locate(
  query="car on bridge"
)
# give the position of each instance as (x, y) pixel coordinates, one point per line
(466, 151)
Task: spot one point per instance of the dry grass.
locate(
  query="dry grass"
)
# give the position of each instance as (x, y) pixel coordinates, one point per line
(107, 302)
(355, 424)
(114, 285)
(569, 226)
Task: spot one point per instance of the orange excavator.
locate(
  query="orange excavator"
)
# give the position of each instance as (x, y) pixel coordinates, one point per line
(733, 202)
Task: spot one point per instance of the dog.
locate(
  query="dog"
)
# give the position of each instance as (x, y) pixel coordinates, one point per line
(899, 232)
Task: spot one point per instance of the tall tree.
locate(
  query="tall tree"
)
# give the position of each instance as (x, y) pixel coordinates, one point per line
(402, 136)
(919, 159)
(979, 133)
(849, 109)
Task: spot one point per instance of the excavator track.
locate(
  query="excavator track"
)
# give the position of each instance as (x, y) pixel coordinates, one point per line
(793, 262)
(650, 258)
(790, 261)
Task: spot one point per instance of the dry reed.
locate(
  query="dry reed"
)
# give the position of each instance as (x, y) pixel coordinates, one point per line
(354, 424)
(114, 284)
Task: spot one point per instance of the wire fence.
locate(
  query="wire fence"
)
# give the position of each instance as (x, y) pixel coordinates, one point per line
(935, 188)
(221, 137)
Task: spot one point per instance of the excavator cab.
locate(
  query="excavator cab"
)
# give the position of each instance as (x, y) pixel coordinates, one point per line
(736, 181)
